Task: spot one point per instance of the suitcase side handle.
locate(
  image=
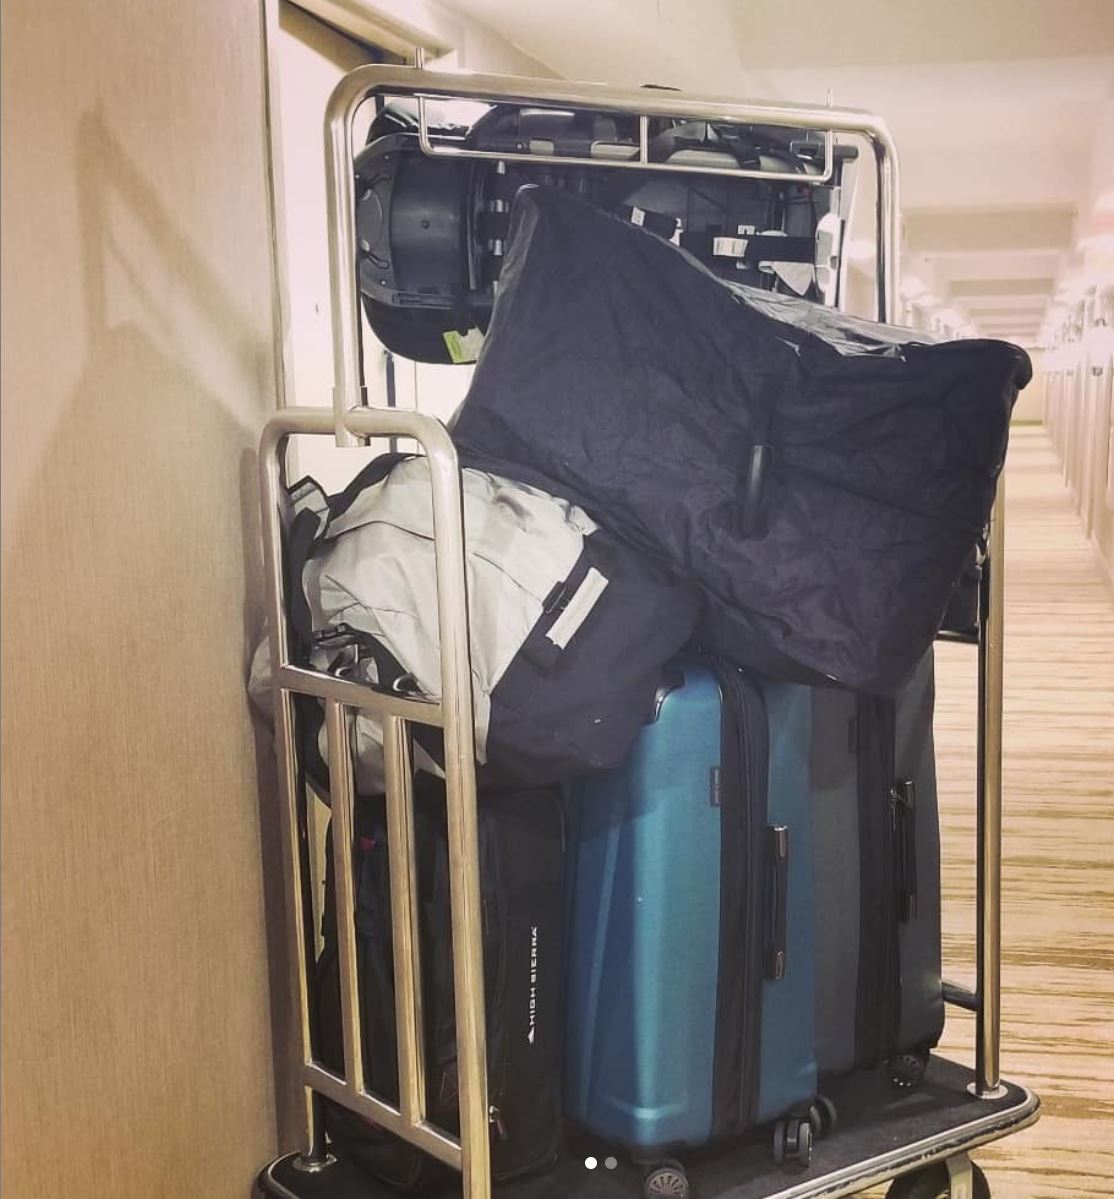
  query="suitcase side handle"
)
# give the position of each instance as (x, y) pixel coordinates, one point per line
(752, 492)
(777, 893)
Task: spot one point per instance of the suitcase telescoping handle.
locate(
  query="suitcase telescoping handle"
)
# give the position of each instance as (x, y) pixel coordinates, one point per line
(777, 873)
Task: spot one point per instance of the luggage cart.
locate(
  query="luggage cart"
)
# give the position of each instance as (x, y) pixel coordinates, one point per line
(919, 1138)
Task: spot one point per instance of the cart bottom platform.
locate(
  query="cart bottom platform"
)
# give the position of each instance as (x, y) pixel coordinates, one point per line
(881, 1133)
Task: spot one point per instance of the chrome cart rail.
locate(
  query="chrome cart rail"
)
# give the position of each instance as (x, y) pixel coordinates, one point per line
(882, 1135)
(352, 422)
(454, 714)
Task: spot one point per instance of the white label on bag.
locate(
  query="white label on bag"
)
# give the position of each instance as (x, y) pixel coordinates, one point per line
(637, 217)
(729, 247)
(532, 1014)
(576, 611)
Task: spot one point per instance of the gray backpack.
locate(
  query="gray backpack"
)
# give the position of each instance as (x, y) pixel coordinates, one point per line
(570, 628)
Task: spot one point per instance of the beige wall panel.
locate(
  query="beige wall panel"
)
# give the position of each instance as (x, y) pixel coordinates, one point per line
(137, 372)
(309, 59)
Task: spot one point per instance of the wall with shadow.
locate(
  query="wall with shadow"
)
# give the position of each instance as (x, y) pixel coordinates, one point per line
(141, 877)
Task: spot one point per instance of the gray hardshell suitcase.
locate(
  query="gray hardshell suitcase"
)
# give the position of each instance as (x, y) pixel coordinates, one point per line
(877, 879)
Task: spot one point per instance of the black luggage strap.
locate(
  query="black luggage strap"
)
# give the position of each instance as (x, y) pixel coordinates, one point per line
(304, 533)
(748, 249)
(390, 674)
(751, 249)
(375, 472)
(653, 222)
(503, 187)
(493, 226)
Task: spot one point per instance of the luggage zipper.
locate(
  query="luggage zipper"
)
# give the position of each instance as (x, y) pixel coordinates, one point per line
(879, 991)
(757, 750)
(495, 1119)
(742, 782)
(494, 917)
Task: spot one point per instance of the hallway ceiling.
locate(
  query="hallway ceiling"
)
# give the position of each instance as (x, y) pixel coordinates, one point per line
(1003, 112)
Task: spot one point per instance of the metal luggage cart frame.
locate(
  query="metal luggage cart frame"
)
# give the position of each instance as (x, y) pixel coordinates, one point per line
(353, 422)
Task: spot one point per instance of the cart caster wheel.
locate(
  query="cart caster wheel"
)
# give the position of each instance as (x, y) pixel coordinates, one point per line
(933, 1184)
(669, 1179)
(907, 1069)
(823, 1117)
(793, 1141)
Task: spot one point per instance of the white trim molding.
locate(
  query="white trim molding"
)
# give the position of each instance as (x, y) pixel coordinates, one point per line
(400, 26)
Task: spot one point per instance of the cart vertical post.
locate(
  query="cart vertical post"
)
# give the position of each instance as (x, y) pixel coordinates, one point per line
(291, 789)
(460, 799)
(349, 391)
(987, 1082)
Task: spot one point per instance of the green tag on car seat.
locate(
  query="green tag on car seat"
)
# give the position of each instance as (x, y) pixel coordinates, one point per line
(464, 347)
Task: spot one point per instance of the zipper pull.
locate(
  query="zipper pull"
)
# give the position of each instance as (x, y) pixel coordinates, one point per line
(495, 1119)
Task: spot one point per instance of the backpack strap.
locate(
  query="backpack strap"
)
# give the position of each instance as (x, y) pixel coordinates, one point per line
(310, 517)
(309, 520)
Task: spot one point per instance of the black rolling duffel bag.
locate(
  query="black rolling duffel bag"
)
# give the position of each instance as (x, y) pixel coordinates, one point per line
(521, 836)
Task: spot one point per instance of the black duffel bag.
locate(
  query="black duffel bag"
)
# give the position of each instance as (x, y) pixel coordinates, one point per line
(822, 478)
(521, 835)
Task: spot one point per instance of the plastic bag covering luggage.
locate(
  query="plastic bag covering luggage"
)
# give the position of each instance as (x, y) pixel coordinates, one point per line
(823, 478)
(521, 883)
(432, 231)
(569, 627)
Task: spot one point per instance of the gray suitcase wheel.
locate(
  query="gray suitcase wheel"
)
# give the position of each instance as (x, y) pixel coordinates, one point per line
(668, 1178)
(933, 1184)
(823, 1117)
(793, 1141)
